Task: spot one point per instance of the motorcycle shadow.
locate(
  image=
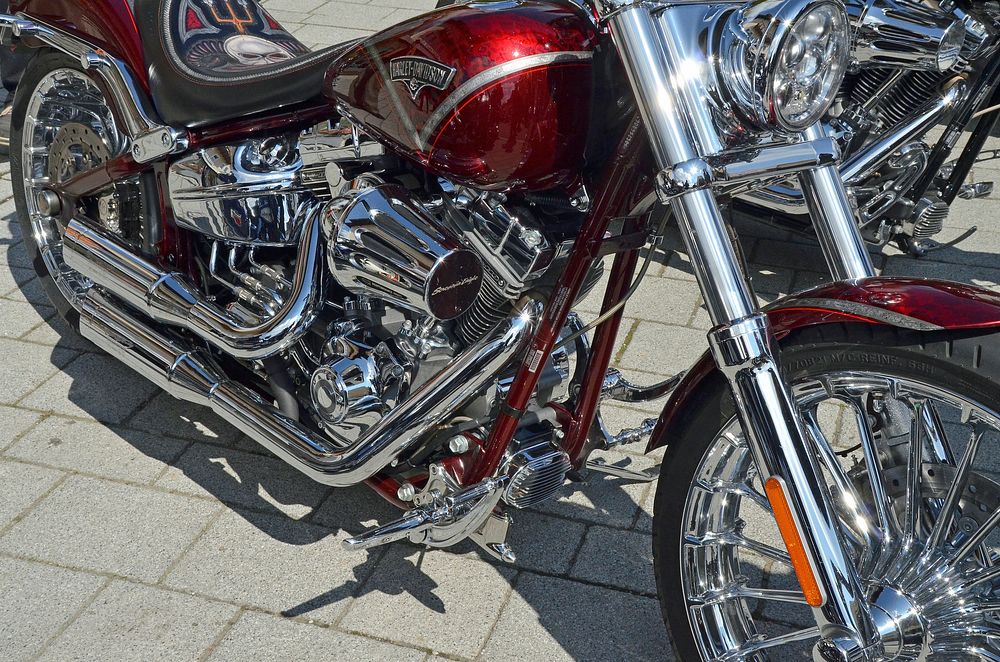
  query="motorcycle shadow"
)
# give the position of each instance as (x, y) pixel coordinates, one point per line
(584, 558)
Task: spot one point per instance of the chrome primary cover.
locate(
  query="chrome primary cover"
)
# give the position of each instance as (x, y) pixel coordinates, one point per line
(919, 518)
(246, 193)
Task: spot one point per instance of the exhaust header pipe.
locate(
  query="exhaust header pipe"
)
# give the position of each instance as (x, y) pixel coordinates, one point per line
(181, 372)
(169, 298)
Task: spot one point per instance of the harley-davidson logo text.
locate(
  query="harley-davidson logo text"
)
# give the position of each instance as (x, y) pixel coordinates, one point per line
(416, 73)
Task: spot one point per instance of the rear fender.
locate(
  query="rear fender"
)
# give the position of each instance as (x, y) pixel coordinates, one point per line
(107, 24)
(915, 304)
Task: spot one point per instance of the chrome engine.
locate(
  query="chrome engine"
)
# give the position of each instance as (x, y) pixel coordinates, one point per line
(406, 280)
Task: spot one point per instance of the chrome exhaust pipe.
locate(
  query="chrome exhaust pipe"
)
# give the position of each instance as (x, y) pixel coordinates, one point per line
(169, 298)
(180, 371)
(788, 198)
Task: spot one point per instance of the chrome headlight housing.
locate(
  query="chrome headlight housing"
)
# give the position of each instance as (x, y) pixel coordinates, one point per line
(783, 61)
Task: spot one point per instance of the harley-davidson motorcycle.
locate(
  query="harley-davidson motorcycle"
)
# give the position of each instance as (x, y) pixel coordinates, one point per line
(367, 258)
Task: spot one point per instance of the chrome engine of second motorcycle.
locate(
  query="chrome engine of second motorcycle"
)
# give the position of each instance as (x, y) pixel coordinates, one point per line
(417, 270)
(912, 62)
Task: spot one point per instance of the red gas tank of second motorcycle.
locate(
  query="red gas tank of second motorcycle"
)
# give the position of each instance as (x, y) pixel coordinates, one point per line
(495, 95)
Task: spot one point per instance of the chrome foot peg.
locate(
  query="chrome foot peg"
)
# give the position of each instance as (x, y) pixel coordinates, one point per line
(647, 476)
(446, 514)
(976, 191)
(413, 523)
(616, 387)
(632, 435)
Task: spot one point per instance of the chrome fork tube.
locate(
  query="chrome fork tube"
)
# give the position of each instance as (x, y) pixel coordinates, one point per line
(833, 218)
(682, 134)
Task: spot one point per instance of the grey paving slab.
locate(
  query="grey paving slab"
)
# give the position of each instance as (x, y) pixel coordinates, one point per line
(20, 486)
(458, 599)
(632, 567)
(55, 332)
(663, 349)
(602, 499)
(544, 543)
(178, 418)
(27, 366)
(93, 386)
(15, 422)
(272, 563)
(97, 449)
(353, 509)
(256, 634)
(244, 479)
(109, 527)
(130, 621)
(554, 619)
(38, 600)
(14, 255)
(12, 278)
(18, 318)
(350, 15)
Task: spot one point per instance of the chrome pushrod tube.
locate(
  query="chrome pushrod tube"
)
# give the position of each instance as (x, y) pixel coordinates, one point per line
(833, 218)
(660, 53)
(169, 298)
(186, 375)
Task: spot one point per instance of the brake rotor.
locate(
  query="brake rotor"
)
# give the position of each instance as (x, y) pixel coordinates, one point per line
(78, 148)
(75, 149)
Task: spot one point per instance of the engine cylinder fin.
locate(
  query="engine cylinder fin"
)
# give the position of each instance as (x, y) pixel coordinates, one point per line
(911, 92)
(929, 218)
(489, 309)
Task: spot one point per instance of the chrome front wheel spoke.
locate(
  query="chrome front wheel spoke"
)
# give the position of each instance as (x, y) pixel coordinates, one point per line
(939, 532)
(736, 590)
(917, 512)
(914, 467)
(734, 539)
(876, 478)
(858, 522)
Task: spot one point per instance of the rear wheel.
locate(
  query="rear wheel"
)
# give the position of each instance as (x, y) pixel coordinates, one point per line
(62, 126)
(906, 430)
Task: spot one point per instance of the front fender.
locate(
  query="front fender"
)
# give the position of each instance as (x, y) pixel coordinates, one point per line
(907, 303)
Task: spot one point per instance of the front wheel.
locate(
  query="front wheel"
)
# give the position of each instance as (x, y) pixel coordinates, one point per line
(906, 429)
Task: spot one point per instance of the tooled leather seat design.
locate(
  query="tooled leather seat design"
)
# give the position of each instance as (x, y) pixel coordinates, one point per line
(217, 60)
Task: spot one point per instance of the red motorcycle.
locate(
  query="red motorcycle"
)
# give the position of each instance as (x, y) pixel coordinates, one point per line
(366, 258)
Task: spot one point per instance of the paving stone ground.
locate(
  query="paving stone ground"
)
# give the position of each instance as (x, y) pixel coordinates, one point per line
(135, 527)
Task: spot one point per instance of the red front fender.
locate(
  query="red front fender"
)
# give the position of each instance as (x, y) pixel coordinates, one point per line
(908, 303)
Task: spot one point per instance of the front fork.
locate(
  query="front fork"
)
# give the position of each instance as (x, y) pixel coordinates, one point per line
(660, 55)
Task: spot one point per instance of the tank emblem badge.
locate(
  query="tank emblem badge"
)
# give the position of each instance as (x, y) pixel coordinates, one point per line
(416, 73)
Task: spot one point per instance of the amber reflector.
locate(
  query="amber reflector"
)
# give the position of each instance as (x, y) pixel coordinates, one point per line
(793, 542)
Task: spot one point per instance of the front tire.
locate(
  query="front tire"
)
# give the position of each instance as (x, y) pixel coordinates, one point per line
(715, 542)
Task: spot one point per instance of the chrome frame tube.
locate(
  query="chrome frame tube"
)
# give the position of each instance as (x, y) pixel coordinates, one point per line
(682, 136)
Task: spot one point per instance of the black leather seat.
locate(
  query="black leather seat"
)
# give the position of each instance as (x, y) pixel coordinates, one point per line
(217, 60)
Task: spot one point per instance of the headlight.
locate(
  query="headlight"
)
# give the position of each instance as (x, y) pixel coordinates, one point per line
(784, 61)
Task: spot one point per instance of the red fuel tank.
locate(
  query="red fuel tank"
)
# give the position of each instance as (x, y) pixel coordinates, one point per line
(495, 95)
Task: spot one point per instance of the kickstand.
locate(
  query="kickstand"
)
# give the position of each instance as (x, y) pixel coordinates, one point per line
(921, 247)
